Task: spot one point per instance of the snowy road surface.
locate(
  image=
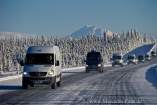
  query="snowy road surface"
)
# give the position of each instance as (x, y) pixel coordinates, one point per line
(133, 84)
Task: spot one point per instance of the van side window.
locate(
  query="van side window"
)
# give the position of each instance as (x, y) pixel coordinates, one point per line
(55, 58)
(57, 63)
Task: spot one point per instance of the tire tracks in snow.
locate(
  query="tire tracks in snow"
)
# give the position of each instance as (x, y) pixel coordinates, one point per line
(113, 85)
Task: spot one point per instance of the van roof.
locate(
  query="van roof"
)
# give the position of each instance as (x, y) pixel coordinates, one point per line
(131, 55)
(41, 49)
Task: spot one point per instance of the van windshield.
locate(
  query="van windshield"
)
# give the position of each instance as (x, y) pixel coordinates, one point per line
(93, 56)
(117, 57)
(40, 59)
(140, 56)
(146, 55)
(131, 57)
(152, 52)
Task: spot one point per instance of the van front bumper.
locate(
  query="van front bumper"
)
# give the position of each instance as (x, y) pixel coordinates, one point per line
(38, 80)
(93, 68)
(132, 62)
(117, 63)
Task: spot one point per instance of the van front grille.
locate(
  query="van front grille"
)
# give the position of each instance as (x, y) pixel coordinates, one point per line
(34, 74)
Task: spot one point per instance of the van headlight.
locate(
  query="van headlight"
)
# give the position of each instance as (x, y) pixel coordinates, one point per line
(86, 65)
(51, 72)
(120, 61)
(99, 65)
(24, 72)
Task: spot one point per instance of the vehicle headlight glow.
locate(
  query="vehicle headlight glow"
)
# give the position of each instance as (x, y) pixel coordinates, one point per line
(24, 72)
(86, 65)
(99, 65)
(51, 72)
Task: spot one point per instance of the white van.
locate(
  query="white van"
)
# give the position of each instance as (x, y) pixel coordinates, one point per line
(117, 59)
(42, 65)
(132, 59)
(147, 57)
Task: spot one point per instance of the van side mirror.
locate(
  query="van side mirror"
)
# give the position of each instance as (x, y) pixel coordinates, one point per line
(102, 60)
(21, 63)
(57, 63)
(84, 60)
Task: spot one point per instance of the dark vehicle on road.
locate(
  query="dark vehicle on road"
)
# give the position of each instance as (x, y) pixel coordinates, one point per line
(153, 54)
(141, 58)
(147, 57)
(94, 62)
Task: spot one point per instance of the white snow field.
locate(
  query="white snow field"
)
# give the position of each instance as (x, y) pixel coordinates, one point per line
(128, 85)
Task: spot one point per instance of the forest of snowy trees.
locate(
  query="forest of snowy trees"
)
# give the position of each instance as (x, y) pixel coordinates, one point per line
(73, 51)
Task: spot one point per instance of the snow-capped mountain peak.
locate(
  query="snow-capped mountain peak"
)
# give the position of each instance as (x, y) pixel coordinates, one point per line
(90, 30)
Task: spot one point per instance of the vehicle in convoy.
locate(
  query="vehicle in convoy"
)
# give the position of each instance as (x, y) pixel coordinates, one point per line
(132, 59)
(94, 62)
(42, 65)
(153, 54)
(141, 58)
(147, 57)
(117, 59)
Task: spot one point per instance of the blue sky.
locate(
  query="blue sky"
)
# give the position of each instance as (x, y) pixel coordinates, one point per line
(63, 17)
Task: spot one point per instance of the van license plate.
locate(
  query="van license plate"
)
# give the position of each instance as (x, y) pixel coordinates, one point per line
(36, 81)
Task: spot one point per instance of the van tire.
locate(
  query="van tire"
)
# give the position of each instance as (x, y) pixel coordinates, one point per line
(32, 85)
(24, 86)
(121, 65)
(101, 71)
(134, 63)
(59, 82)
(54, 85)
(87, 71)
(112, 65)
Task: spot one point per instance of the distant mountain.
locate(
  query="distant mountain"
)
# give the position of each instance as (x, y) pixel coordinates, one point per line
(92, 30)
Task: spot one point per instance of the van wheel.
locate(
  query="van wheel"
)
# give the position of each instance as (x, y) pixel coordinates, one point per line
(59, 82)
(101, 71)
(54, 85)
(87, 71)
(121, 65)
(134, 63)
(32, 85)
(112, 65)
(24, 86)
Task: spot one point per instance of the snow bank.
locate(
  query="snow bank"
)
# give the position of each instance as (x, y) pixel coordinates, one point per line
(144, 82)
(73, 68)
(10, 77)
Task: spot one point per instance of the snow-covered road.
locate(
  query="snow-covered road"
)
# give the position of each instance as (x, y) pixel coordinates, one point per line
(119, 85)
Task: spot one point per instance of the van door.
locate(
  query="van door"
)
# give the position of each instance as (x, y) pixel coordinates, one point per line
(57, 63)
